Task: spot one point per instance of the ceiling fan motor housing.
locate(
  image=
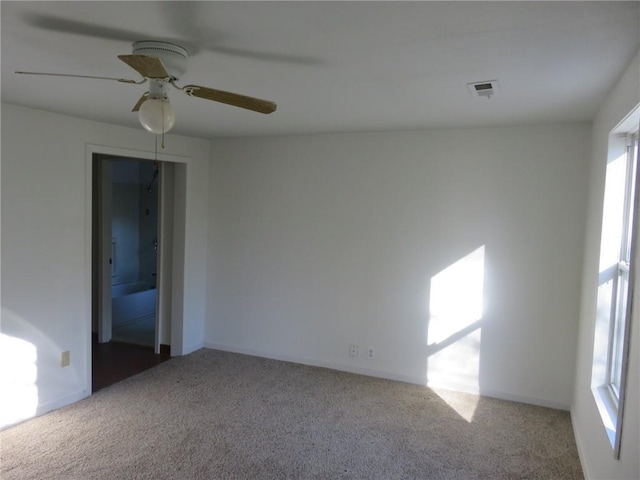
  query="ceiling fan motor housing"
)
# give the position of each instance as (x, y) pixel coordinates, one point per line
(174, 57)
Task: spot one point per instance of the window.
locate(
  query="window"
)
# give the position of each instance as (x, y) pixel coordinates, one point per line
(616, 275)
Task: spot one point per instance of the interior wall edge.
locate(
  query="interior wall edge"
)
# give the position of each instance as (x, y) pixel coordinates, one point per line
(579, 444)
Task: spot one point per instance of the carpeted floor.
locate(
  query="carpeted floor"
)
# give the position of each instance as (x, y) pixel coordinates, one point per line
(217, 415)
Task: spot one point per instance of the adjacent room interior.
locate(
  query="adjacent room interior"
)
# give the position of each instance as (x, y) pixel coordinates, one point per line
(436, 198)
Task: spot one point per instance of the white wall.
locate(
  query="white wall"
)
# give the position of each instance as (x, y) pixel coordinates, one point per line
(595, 450)
(45, 246)
(321, 241)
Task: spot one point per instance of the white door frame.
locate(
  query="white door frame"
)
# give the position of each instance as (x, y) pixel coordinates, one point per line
(176, 284)
(164, 267)
(105, 254)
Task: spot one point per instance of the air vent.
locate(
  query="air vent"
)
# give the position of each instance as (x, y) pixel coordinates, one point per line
(485, 89)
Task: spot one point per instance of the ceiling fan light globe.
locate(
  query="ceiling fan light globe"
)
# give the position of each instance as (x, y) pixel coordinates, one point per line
(157, 115)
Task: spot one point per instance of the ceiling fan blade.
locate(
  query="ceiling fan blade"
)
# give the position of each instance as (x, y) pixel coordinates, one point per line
(123, 80)
(190, 20)
(96, 30)
(186, 19)
(242, 101)
(264, 55)
(148, 67)
(142, 99)
(64, 25)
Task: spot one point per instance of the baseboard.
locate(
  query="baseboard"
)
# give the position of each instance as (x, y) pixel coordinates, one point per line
(580, 446)
(52, 405)
(62, 402)
(539, 402)
(389, 376)
(455, 388)
(319, 363)
(192, 348)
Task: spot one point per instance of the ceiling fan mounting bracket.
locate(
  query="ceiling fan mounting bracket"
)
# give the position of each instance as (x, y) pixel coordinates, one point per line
(158, 87)
(173, 57)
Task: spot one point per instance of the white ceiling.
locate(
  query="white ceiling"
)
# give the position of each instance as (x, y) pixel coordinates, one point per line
(330, 66)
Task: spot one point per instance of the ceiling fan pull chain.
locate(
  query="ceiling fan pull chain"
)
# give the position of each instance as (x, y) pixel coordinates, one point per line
(163, 124)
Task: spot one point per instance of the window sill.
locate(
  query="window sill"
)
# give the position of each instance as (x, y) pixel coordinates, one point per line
(608, 409)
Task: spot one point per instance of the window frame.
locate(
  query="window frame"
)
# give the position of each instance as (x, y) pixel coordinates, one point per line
(618, 335)
(609, 392)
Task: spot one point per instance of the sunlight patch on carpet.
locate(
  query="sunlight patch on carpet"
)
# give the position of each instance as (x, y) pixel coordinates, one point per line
(464, 405)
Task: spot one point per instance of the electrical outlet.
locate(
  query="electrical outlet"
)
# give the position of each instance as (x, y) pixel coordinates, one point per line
(370, 353)
(65, 359)
(353, 350)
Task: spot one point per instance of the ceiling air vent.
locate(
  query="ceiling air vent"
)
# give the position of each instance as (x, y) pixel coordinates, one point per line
(486, 89)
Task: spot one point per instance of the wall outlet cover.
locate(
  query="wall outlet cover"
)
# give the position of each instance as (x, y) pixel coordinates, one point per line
(65, 359)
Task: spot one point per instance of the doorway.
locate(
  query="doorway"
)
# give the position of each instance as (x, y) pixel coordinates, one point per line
(134, 248)
(128, 309)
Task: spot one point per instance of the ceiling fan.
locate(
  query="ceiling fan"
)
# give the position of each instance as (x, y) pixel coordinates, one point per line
(162, 64)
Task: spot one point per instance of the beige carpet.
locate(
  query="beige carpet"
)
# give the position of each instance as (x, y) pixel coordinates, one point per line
(216, 415)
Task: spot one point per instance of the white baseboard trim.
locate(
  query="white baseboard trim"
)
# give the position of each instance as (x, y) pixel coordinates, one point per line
(52, 405)
(193, 348)
(540, 402)
(62, 402)
(455, 388)
(318, 363)
(580, 446)
(388, 375)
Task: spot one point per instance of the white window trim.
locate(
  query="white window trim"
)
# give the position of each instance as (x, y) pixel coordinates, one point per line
(608, 412)
(610, 404)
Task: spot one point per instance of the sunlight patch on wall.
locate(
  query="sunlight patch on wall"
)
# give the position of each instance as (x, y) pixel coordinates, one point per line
(18, 376)
(454, 330)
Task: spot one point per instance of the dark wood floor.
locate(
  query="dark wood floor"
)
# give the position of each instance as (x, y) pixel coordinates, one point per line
(113, 362)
